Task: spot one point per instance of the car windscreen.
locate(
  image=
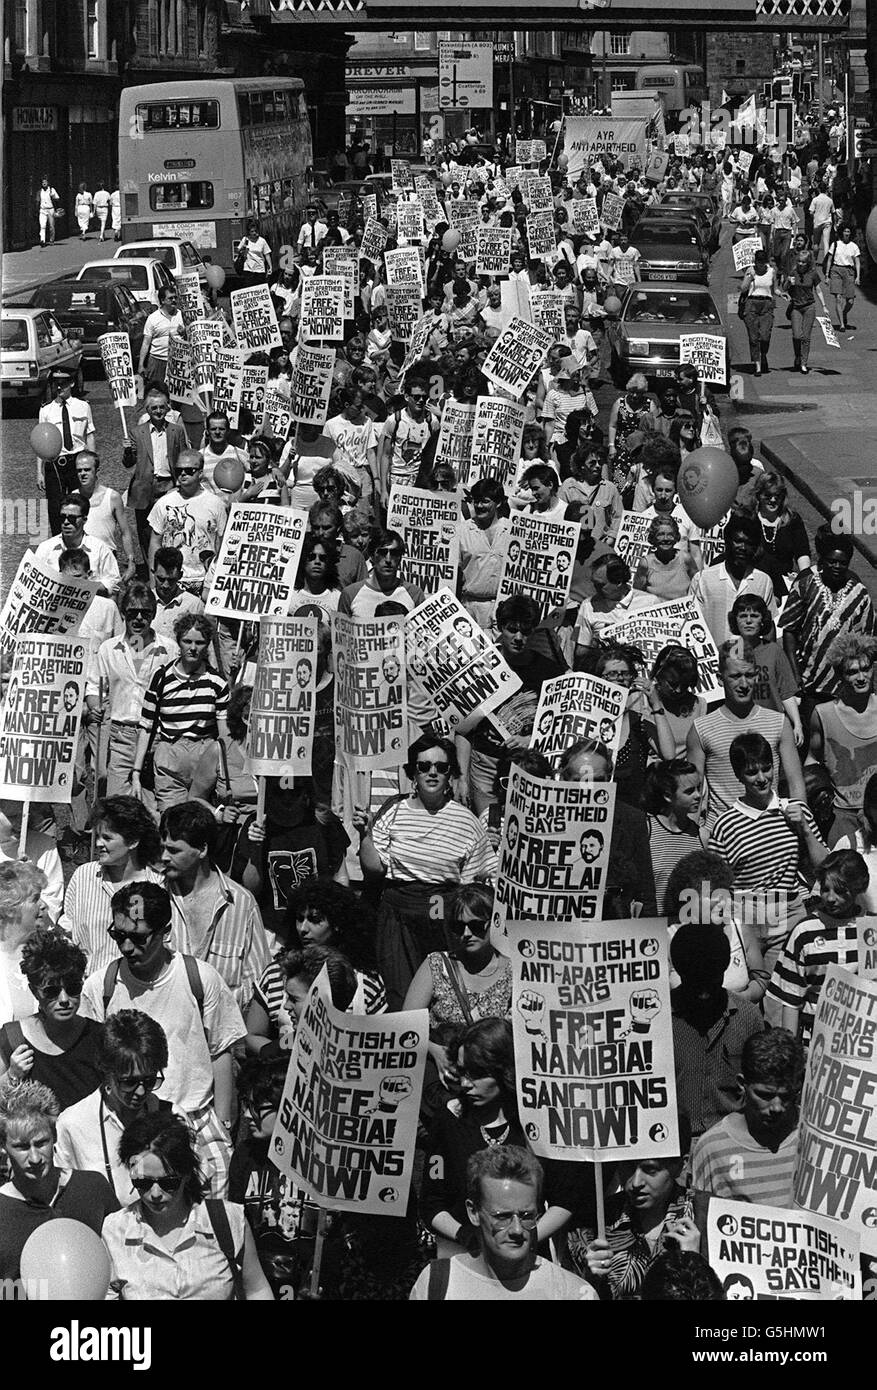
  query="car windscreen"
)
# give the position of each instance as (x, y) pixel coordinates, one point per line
(13, 335)
(662, 234)
(669, 306)
(76, 297)
(134, 275)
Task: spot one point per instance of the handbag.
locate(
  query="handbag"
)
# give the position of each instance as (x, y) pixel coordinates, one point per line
(240, 260)
(741, 302)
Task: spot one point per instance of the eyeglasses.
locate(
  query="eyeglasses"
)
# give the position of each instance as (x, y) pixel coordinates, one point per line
(132, 1083)
(71, 984)
(417, 400)
(119, 936)
(169, 1184)
(503, 1219)
(476, 925)
(423, 766)
(389, 552)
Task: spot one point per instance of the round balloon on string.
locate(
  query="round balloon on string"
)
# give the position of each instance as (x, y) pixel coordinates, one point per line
(215, 276)
(871, 234)
(46, 441)
(612, 305)
(707, 484)
(65, 1259)
(229, 475)
(451, 240)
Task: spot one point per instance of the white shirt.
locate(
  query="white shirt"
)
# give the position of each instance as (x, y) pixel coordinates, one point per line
(80, 417)
(104, 567)
(191, 525)
(47, 197)
(127, 680)
(311, 235)
(168, 613)
(88, 1134)
(194, 1268)
(163, 327)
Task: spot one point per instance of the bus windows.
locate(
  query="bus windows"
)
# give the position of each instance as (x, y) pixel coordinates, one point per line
(178, 115)
(176, 196)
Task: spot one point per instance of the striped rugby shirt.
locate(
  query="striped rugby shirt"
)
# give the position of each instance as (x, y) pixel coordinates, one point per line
(761, 846)
(727, 1162)
(716, 732)
(814, 945)
(189, 707)
(418, 847)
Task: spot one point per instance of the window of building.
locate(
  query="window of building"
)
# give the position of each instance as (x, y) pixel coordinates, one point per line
(619, 44)
(740, 67)
(92, 30)
(400, 38)
(622, 81)
(422, 41)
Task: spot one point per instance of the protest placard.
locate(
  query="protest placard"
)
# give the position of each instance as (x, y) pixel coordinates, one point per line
(516, 356)
(190, 300)
(576, 706)
(461, 210)
(39, 720)
(371, 691)
(744, 161)
(493, 250)
(370, 208)
(433, 212)
(277, 413)
(744, 252)
(227, 364)
(255, 319)
(867, 940)
(677, 620)
(593, 1033)
(828, 333)
(347, 1123)
(707, 352)
(512, 177)
(584, 218)
(400, 173)
(404, 310)
(453, 660)
(430, 524)
(118, 365)
(771, 1254)
(468, 248)
(254, 384)
(540, 196)
(632, 542)
(589, 138)
(539, 560)
(344, 261)
(42, 600)
(205, 336)
(409, 222)
(836, 1165)
(256, 569)
(496, 441)
(311, 385)
(554, 850)
(546, 312)
(611, 212)
(681, 145)
(541, 234)
(404, 267)
(454, 444)
(322, 308)
(420, 336)
(374, 239)
(280, 732)
(530, 151)
(178, 378)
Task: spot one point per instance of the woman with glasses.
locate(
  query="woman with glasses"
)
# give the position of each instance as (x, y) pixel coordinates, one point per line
(422, 845)
(316, 583)
(128, 848)
(22, 911)
(39, 1190)
(132, 1055)
(171, 1243)
(383, 585)
(55, 1046)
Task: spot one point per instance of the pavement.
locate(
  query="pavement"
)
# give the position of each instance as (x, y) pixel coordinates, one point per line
(24, 270)
(819, 430)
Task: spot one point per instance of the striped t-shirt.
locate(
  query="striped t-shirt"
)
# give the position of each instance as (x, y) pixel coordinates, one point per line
(814, 945)
(761, 846)
(727, 1162)
(668, 847)
(716, 732)
(418, 847)
(188, 706)
(370, 997)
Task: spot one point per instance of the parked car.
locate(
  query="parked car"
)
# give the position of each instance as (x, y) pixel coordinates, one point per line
(32, 345)
(92, 308)
(702, 203)
(670, 249)
(144, 276)
(653, 317)
(177, 255)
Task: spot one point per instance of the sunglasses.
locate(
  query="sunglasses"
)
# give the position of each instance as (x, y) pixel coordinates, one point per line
(184, 472)
(423, 766)
(389, 552)
(139, 938)
(71, 984)
(131, 1083)
(67, 519)
(138, 612)
(170, 1184)
(478, 926)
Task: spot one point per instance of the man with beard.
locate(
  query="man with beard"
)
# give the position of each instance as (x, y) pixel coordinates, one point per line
(710, 1026)
(749, 1156)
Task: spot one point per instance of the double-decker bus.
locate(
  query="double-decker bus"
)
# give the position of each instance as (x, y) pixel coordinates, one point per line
(680, 84)
(197, 159)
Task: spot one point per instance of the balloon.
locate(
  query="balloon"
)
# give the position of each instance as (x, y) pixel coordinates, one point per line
(871, 234)
(215, 276)
(66, 1259)
(563, 161)
(707, 484)
(450, 241)
(46, 441)
(447, 180)
(612, 305)
(229, 475)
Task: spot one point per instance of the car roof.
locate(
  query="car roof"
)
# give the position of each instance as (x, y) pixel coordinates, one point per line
(670, 287)
(23, 311)
(117, 265)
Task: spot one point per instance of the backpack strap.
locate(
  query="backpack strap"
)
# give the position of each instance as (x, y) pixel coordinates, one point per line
(439, 1278)
(196, 985)
(111, 977)
(222, 1230)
